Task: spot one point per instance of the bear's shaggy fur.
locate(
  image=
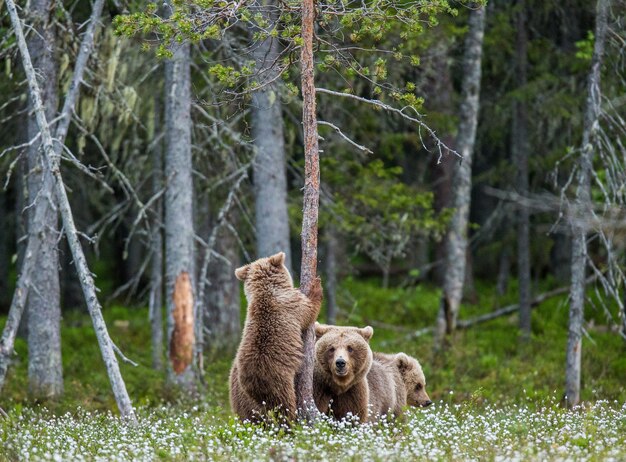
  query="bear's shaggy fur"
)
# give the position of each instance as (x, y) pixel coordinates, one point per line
(411, 378)
(270, 352)
(342, 361)
(387, 390)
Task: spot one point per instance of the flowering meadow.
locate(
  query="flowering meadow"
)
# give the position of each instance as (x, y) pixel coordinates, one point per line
(442, 432)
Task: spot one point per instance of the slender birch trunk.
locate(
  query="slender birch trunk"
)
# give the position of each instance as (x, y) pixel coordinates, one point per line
(156, 247)
(310, 209)
(269, 168)
(456, 244)
(520, 151)
(45, 369)
(179, 220)
(52, 166)
(582, 202)
(21, 198)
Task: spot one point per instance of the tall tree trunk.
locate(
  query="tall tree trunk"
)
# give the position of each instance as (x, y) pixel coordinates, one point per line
(179, 232)
(332, 247)
(310, 209)
(52, 167)
(269, 169)
(223, 302)
(21, 199)
(45, 369)
(583, 202)
(456, 244)
(442, 169)
(21, 224)
(520, 150)
(156, 244)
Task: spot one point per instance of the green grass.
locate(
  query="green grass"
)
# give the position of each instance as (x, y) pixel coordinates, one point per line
(488, 388)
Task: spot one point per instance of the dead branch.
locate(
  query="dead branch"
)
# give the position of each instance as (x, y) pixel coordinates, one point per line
(538, 300)
(441, 146)
(345, 137)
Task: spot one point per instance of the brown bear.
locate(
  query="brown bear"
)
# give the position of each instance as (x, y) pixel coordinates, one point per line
(342, 360)
(387, 393)
(411, 376)
(271, 350)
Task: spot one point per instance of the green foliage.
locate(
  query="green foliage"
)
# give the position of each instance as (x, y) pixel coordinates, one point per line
(381, 214)
(372, 29)
(584, 48)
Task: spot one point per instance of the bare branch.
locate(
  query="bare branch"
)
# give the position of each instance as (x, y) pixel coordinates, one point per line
(440, 144)
(345, 137)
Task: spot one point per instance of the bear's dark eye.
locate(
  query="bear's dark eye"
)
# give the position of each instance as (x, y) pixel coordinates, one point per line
(331, 349)
(350, 350)
(418, 387)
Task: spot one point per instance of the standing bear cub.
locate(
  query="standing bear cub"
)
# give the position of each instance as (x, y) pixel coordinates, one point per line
(342, 361)
(271, 350)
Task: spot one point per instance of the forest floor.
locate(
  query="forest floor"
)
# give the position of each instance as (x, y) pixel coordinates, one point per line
(495, 398)
(443, 432)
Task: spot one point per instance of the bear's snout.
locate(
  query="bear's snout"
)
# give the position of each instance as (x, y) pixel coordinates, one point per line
(340, 366)
(427, 403)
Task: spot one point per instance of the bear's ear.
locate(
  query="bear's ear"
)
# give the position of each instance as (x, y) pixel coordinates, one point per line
(367, 333)
(242, 273)
(320, 329)
(278, 259)
(402, 362)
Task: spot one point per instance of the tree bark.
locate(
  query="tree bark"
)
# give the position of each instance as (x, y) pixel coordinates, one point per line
(442, 169)
(156, 247)
(456, 243)
(45, 369)
(310, 209)
(179, 232)
(21, 199)
(269, 169)
(52, 166)
(520, 150)
(222, 315)
(582, 202)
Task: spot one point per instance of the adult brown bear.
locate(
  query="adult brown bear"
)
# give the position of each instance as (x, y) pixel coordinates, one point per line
(270, 352)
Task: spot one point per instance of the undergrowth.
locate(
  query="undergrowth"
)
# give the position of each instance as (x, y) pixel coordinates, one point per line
(495, 397)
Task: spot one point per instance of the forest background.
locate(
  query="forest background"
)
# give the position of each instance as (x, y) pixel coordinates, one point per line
(472, 168)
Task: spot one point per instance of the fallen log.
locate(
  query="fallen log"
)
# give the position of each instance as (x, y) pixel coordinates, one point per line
(466, 323)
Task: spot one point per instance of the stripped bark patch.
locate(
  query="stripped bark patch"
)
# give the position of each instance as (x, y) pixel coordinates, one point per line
(183, 337)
